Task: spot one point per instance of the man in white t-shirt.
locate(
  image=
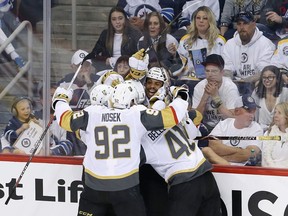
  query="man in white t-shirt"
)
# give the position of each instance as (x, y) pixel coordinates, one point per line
(214, 96)
(235, 152)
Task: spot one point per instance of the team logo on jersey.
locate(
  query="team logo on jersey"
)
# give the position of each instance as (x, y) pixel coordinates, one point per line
(186, 46)
(244, 57)
(143, 10)
(234, 142)
(285, 51)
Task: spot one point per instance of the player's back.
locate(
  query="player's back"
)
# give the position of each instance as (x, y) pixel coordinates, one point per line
(172, 156)
(113, 146)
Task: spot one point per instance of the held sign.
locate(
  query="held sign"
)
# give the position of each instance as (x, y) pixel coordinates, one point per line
(28, 138)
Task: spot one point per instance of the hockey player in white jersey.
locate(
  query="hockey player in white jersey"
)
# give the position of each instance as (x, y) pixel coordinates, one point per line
(113, 146)
(174, 156)
(192, 187)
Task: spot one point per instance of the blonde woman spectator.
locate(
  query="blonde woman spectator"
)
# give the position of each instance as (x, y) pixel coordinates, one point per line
(202, 39)
(190, 7)
(269, 92)
(275, 153)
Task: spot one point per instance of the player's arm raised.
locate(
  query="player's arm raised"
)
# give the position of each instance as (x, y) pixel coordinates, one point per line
(66, 118)
(171, 115)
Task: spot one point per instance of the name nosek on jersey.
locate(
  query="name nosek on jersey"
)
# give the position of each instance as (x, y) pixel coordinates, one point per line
(111, 117)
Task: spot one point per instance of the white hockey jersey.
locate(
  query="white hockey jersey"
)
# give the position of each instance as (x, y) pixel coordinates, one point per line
(140, 8)
(280, 57)
(173, 156)
(199, 46)
(113, 139)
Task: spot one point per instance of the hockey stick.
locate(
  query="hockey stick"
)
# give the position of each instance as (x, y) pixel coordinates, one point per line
(37, 144)
(75, 75)
(211, 137)
(87, 57)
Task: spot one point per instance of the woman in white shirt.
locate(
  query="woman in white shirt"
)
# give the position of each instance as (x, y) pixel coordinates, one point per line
(203, 39)
(120, 38)
(275, 153)
(269, 92)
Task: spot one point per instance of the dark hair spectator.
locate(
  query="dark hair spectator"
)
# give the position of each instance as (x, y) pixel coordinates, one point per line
(161, 45)
(120, 38)
(268, 92)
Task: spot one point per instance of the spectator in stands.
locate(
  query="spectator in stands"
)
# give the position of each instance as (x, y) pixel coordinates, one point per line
(235, 152)
(269, 91)
(203, 39)
(160, 45)
(5, 6)
(230, 11)
(214, 96)
(275, 153)
(21, 110)
(274, 17)
(280, 56)
(81, 86)
(248, 52)
(59, 144)
(138, 10)
(191, 6)
(122, 66)
(120, 38)
(122, 71)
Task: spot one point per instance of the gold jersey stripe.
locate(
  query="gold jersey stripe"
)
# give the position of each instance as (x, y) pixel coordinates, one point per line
(186, 170)
(169, 117)
(282, 41)
(112, 177)
(66, 119)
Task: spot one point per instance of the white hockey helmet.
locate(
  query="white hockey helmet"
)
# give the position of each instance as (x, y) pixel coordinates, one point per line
(139, 88)
(157, 73)
(101, 94)
(123, 95)
(5, 5)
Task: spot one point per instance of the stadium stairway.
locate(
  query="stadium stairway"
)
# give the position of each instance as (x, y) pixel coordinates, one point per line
(91, 19)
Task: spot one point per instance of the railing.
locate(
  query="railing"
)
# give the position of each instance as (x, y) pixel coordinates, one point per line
(27, 66)
(74, 25)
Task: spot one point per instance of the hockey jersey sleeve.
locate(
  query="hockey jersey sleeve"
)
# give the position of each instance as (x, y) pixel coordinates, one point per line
(166, 118)
(65, 116)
